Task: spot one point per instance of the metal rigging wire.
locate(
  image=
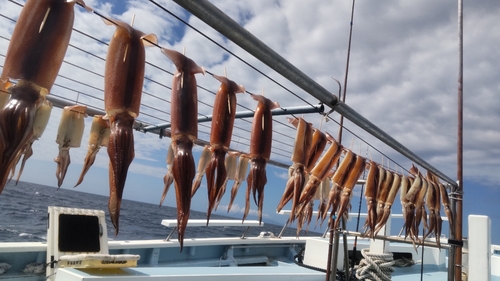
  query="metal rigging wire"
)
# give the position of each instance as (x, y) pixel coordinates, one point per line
(227, 50)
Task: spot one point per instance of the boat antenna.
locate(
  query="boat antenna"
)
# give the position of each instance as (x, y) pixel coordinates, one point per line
(346, 71)
(331, 266)
(456, 195)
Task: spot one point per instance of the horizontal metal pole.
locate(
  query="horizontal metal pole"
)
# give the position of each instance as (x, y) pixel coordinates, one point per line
(61, 103)
(139, 126)
(211, 15)
(396, 239)
(247, 114)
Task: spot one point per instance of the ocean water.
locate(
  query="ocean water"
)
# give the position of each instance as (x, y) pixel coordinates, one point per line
(23, 216)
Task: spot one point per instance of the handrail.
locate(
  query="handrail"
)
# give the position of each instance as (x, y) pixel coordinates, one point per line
(247, 114)
(163, 132)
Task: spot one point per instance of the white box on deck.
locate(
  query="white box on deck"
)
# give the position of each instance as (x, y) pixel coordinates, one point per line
(316, 253)
(479, 248)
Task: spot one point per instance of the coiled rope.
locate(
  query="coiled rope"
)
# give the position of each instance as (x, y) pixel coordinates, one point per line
(375, 266)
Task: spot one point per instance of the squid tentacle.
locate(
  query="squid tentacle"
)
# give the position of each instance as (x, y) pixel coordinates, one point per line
(371, 195)
(396, 180)
(16, 126)
(338, 180)
(121, 153)
(42, 116)
(183, 171)
(256, 181)
(216, 174)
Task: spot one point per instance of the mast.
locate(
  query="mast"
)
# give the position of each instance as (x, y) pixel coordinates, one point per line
(458, 192)
(333, 250)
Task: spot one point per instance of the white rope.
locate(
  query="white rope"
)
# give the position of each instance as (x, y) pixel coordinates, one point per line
(375, 266)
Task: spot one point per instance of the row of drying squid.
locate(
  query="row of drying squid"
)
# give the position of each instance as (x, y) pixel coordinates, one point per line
(313, 177)
(33, 60)
(34, 57)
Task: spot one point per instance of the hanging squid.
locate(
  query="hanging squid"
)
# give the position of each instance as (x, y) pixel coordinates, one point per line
(297, 179)
(409, 206)
(318, 144)
(324, 191)
(305, 217)
(241, 173)
(446, 205)
(124, 75)
(168, 179)
(223, 116)
(352, 178)
(39, 41)
(260, 151)
(338, 179)
(402, 194)
(313, 153)
(435, 194)
(441, 198)
(433, 203)
(397, 181)
(99, 137)
(34, 56)
(41, 119)
(437, 213)
(184, 131)
(69, 134)
(321, 170)
(420, 208)
(385, 180)
(371, 198)
(438, 219)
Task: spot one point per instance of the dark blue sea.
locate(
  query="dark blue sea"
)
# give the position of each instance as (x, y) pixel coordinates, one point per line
(23, 216)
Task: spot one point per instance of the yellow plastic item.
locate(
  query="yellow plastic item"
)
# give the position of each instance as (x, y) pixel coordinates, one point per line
(98, 261)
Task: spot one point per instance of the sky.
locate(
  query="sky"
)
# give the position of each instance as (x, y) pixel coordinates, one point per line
(402, 77)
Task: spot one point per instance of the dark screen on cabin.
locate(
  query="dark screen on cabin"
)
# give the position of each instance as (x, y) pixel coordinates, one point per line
(78, 233)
